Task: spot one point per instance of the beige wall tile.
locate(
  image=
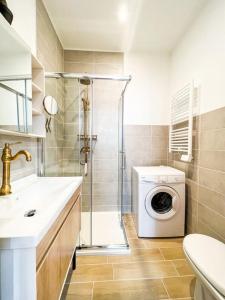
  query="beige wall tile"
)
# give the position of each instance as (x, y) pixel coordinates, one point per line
(213, 220)
(158, 130)
(109, 58)
(79, 56)
(78, 67)
(212, 179)
(211, 139)
(213, 120)
(137, 130)
(108, 69)
(213, 160)
(212, 199)
(203, 228)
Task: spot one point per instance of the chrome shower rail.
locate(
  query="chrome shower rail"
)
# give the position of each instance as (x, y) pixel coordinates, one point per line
(87, 75)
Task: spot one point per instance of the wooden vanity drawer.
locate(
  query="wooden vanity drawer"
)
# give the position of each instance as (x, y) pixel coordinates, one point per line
(52, 268)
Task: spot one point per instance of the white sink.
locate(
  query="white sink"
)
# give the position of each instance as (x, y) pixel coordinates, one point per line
(46, 195)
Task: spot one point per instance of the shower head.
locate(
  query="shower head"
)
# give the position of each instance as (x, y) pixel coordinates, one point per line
(85, 81)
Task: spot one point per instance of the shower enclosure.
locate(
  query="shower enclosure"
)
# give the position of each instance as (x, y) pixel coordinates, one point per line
(91, 146)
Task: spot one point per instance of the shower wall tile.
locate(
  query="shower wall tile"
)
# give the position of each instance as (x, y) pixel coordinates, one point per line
(145, 145)
(108, 69)
(114, 58)
(205, 176)
(79, 56)
(79, 67)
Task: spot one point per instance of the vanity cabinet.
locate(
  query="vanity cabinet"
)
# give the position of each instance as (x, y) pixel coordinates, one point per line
(55, 251)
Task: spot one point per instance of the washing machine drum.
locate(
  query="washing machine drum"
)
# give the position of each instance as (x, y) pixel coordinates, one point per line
(162, 203)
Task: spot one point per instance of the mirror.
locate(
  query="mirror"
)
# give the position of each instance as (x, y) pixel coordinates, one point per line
(15, 81)
(51, 107)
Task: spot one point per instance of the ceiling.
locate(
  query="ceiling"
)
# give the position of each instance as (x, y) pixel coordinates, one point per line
(122, 25)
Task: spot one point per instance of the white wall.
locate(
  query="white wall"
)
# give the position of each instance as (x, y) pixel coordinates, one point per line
(24, 21)
(147, 96)
(200, 55)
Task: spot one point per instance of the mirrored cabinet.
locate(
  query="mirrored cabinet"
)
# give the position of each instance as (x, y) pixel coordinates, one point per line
(21, 86)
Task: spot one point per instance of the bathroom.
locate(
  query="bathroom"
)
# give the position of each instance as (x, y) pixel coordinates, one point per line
(105, 104)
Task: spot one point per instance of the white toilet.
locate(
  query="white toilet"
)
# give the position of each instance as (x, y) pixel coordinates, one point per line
(207, 258)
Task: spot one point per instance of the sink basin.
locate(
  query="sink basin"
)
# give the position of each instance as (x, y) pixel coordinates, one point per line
(46, 195)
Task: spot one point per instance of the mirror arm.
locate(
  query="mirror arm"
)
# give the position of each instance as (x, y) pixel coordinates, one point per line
(46, 125)
(49, 124)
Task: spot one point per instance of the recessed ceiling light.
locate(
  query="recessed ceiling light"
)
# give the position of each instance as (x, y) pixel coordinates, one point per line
(123, 13)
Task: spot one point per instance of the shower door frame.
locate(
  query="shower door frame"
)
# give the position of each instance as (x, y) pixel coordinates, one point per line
(91, 77)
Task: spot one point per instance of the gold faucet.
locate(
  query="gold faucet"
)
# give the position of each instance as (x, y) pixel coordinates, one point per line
(6, 160)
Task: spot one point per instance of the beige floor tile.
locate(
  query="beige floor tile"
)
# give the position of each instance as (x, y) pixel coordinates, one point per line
(129, 290)
(183, 267)
(180, 287)
(137, 255)
(85, 273)
(173, 253)
(136, 243)
(182, 299)
(163, 242)
(147, 270)
(91, 260)
(128, 217)
(131, 233)
(80, 291)
(128, 222)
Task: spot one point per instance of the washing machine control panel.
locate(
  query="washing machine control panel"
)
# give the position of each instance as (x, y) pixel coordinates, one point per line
(161, 179)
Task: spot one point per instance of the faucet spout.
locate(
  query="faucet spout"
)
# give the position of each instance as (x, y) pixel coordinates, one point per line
(22, 152)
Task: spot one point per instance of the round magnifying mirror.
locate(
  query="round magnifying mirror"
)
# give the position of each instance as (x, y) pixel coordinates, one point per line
(50, 105)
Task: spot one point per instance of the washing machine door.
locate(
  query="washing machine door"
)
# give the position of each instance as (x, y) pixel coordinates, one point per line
(162, 203)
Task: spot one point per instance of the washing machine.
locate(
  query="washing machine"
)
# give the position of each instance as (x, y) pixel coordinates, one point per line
(158, 201)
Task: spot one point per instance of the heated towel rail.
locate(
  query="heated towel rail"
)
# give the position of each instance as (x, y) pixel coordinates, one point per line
(181, 123)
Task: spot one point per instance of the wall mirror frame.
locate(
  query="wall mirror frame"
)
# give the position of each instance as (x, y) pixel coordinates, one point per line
(51, 107)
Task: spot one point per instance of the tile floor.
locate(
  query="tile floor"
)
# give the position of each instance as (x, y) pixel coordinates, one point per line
(155, 269)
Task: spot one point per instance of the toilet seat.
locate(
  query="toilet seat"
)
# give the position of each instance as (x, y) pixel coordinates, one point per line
(207, 255)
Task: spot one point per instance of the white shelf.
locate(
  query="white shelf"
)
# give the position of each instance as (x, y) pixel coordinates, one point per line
(38, 92)
(15, 133)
